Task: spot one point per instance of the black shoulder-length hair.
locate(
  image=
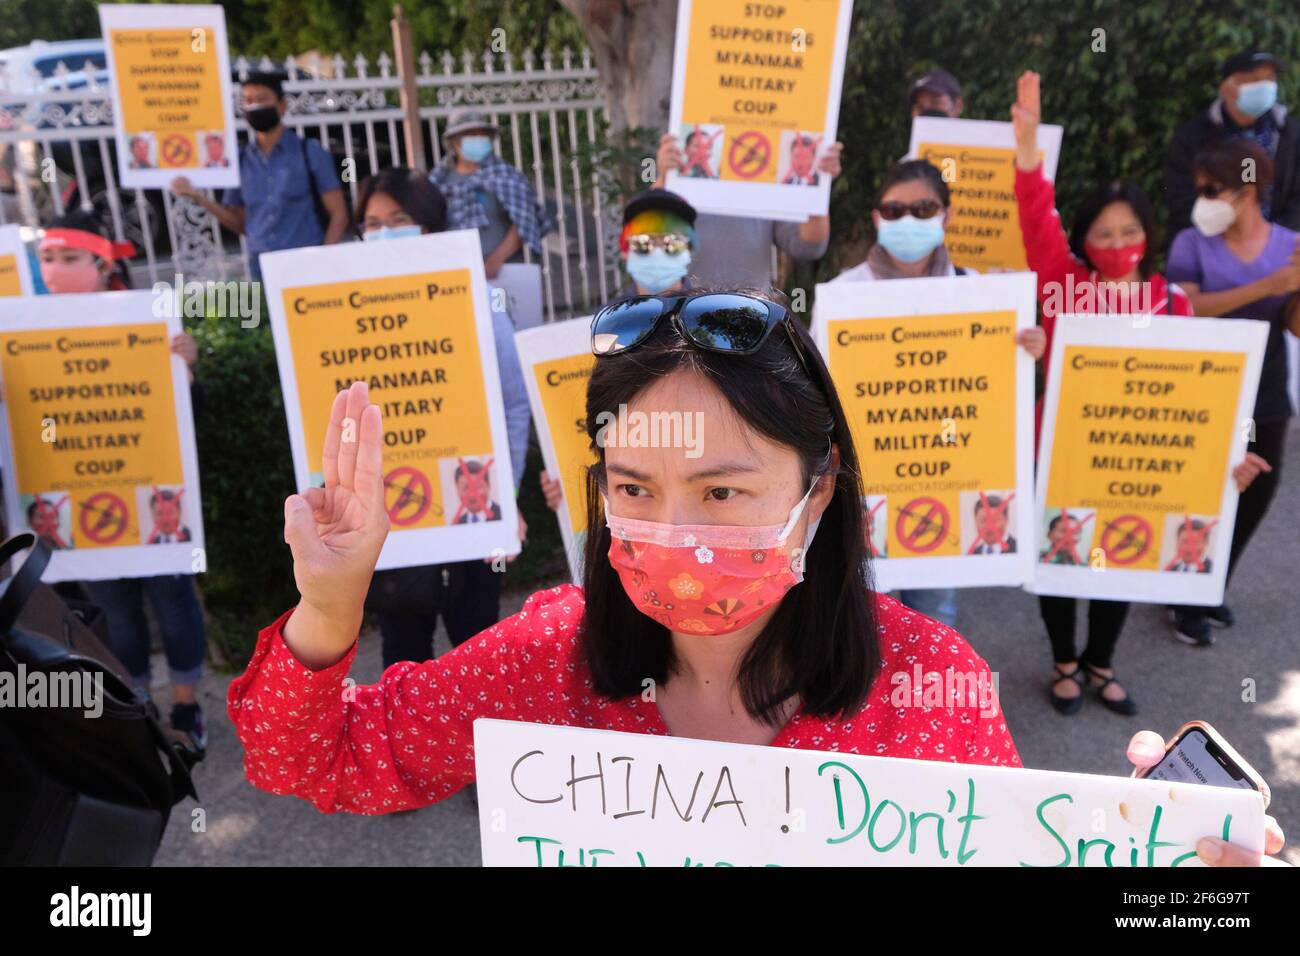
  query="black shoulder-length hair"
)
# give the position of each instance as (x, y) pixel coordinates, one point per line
(410, 189)
(822, 642)
(1118, 190)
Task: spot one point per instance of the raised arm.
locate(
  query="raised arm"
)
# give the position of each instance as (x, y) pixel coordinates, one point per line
(1047, 249)
(307, 731)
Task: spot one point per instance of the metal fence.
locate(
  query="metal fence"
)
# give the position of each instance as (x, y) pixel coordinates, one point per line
(57, 149)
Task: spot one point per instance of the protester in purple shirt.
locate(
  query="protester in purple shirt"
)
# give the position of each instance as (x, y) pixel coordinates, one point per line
(1237, 265)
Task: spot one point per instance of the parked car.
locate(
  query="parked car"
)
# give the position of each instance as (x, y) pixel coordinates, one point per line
(35, 69)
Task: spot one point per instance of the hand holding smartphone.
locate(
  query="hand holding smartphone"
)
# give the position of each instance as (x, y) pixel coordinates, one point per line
(1199, 754)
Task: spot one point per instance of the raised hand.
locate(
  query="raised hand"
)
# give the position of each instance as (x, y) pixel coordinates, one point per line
(336, 532)
(1025, 115)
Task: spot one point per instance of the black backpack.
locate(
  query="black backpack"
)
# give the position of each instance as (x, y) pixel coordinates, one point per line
(77, 790)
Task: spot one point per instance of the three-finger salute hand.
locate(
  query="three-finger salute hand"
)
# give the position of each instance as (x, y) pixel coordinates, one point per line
(1025, 116)
(336, 532)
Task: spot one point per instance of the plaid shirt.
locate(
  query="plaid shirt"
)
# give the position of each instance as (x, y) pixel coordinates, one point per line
(505, 182)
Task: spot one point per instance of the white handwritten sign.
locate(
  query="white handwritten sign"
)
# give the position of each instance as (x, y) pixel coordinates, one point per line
(567, 796)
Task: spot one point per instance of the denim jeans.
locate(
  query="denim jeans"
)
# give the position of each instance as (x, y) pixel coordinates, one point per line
(179, 619)
(938, 603)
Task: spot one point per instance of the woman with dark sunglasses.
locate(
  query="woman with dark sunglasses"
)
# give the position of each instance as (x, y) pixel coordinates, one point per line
(909, 215)
(1106, 264)
(732, 575)
(1235, 264)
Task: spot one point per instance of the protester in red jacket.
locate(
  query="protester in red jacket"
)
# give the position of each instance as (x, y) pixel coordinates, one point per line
(1106, 264)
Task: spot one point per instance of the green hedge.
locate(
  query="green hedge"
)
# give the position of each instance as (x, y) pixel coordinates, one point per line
(1119, 108)
(246, 472)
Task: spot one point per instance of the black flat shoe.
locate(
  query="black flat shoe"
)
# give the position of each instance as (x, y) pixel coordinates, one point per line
(1193, 627)
(1126, 707)
(1066, 705)
(1221, 616)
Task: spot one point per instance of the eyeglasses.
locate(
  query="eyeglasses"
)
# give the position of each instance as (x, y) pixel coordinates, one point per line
(1213, 190)
(727, 322)
(921, 209)
(395, 221)
(670, 242)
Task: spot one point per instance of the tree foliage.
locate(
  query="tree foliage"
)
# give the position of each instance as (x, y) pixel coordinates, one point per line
(1160, 66)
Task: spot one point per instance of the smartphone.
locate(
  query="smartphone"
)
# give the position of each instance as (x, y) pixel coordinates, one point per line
(1199, 754)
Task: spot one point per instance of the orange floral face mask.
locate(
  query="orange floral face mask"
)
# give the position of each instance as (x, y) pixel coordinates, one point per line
(706, 579)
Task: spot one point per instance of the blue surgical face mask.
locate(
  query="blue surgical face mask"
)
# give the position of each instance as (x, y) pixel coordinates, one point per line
(1256, 99)
(475, 148)
(391, 232)
(910, 239)
(656, 270)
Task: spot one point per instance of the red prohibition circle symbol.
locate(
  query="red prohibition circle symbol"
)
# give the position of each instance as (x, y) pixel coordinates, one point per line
(177, 149)
(749, 154)
(931, 525)
(407, 495)
(1126, 539)
(103, 518)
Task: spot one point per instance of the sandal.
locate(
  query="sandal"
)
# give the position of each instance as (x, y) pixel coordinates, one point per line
(1066, 705)
(1126, 706)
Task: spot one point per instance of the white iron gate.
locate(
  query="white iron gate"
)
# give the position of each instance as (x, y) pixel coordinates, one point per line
(57, 149)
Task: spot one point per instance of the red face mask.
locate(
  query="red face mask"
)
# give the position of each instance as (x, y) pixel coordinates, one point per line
(1117, 262)
(706, 579)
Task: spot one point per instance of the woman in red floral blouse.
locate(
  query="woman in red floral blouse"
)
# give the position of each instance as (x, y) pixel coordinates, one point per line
(726, 591)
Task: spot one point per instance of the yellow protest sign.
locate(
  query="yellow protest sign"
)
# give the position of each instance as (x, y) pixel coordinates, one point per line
(557, 362)
(409, 318)
(977, 161)
(756, 92)
(15, 273)
(101, 453)
(171, 92)
(10, 283)
(937, 402)
(1138, 437)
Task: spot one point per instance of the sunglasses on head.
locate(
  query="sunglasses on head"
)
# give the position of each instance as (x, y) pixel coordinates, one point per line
(921, 209)
(670, 242)
(728, 322)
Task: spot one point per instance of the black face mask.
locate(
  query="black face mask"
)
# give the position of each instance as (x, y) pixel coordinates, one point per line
(263, 119)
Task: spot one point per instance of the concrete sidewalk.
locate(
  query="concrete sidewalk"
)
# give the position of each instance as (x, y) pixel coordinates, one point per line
(1171, 681)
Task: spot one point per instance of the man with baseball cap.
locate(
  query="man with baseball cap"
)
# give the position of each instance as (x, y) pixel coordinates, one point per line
(936, 93)
(1246, 107)
(486, 193)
